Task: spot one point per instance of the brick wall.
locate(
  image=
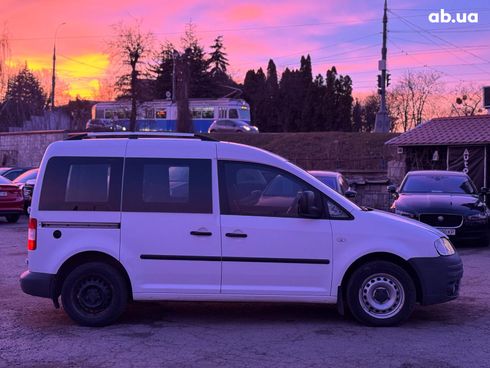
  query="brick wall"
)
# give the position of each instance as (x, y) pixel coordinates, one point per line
(26, 148)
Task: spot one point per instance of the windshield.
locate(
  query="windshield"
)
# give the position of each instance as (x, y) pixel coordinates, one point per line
(439, 183)
(4, 169)
(244, 114)
(28, 175)
(329, 181)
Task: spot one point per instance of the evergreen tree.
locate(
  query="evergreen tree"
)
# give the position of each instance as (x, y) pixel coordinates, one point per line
(164, 71)
(24, 97)
(329, 100)
(193, 57)
(271, 114)
(218, 61)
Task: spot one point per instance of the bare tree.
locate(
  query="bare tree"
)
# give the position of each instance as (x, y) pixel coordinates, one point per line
(131, 46)
(410, 97)
(467, 100)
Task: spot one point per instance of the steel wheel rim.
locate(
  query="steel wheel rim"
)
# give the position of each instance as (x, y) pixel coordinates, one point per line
(381, 296)
(93, 294)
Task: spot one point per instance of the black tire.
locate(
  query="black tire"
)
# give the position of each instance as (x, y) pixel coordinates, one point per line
(380, 293)
(12, 219)
(94, 294)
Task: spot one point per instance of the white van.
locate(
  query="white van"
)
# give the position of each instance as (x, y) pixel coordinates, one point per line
(135, 216)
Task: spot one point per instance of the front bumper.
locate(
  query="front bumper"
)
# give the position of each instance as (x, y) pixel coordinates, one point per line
(38, 284)
(439, 277)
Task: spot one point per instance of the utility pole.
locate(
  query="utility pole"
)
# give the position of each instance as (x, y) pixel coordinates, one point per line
(175, 55)
(382, 124)
(53, 80)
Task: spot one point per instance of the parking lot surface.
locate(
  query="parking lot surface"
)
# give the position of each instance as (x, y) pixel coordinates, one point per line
(34, 334)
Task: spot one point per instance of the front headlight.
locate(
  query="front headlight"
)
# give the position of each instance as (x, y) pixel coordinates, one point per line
(406, 214)
(477, 217)
(444, 247)
(246, 127)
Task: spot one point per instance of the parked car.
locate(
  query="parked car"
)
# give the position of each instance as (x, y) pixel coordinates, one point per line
(447, 200)
(336, 181)
(104, 125)
(11, 200)
(21, 181)
(13, 173)
(27, 191)
(123, 218)
(231, 126)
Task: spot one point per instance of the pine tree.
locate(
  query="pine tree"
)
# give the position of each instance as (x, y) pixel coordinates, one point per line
(24, 97)
(218, 61)
(163, 72)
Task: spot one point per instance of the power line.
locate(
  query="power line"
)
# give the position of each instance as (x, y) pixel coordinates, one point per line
(423, 33)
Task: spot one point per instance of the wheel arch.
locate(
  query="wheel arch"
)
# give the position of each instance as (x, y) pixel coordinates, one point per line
(85, 257)
(381, 256)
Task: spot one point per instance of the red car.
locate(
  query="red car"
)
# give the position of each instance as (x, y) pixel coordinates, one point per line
(11, 200)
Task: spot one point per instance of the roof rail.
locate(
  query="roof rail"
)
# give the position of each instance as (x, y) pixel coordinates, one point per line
(136, 135)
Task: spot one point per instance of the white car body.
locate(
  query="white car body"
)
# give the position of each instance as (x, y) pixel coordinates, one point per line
(281, 259)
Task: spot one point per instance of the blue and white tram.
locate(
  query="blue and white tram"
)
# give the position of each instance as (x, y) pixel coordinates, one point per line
(161, 115)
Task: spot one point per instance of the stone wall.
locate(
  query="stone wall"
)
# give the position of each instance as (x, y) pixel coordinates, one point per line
(26, 148)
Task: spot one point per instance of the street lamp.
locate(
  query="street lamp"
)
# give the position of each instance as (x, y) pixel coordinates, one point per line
(53, 82)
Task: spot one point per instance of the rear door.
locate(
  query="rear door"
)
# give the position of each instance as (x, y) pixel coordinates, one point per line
(170, 234)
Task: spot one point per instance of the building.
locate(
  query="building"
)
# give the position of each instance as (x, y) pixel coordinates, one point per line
(451, 143)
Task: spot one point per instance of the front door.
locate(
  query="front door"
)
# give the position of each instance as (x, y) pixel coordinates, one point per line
(267, 248)
(170, 235)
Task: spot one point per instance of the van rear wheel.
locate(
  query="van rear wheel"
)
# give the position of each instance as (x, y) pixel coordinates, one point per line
(381, 293)
(94, 294)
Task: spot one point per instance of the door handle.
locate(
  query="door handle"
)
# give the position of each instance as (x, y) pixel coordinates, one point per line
(236, 235)
(201, 233)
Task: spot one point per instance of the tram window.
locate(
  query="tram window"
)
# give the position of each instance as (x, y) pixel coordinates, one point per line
(208, 113)
(233, 114)
(160, 113)
(149, 113)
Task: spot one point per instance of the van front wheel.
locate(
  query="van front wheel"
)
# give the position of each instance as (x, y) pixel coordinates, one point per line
(381, 293)
(94, 294)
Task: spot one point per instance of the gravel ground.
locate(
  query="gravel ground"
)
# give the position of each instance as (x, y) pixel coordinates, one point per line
(34, 334)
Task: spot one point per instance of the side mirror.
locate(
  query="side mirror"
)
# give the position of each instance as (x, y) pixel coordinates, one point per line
(351, 194)
(484, 190)
(306, 205)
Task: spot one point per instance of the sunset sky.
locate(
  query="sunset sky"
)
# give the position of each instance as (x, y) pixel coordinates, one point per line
(345, 33)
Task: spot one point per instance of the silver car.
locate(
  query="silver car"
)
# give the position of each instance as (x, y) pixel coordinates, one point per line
(336, 181)
(232, 126)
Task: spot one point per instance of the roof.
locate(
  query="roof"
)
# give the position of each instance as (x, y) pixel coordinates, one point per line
(447, 131)
(436, 172)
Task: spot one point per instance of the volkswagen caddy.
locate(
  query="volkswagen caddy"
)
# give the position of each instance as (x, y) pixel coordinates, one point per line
(128, 217)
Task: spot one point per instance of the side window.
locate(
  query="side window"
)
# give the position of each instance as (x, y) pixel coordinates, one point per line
(108, 114)
(233, 114)
(250, 189)
(167, 185)
(196, 113)
(208, 112)
(149, 113)
(82, 184)
(222, 112)
(344, 185)
(336, 212)
(160, 113)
